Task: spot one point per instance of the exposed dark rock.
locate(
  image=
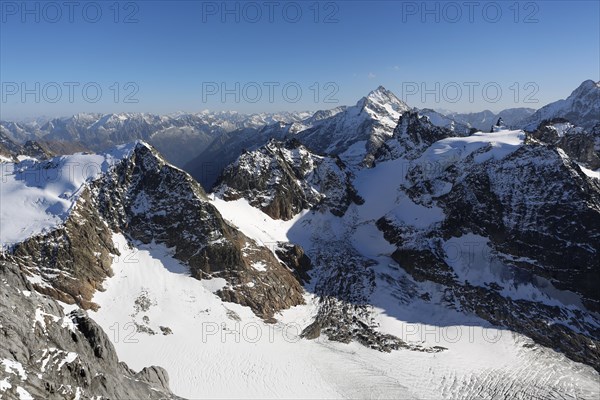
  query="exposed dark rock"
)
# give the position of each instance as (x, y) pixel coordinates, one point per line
(284, 178)
(36, 150)
(580, 145)
(424, 265)
(57, 356)
(293, 257)
(413, 134)
(534, 204)
(10, 149)
(73, 259)
(540, 215)
(148, 200)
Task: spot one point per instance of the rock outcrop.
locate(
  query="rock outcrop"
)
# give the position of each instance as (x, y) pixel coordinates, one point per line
(581, 145)
(284, 178)
(46, 354)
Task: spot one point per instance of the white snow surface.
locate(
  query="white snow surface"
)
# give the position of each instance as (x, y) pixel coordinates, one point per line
(448, 151)
(590, 172)
(222, 350)
(43, 194)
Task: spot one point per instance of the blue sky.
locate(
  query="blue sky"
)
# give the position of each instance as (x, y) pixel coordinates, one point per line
(181, 55)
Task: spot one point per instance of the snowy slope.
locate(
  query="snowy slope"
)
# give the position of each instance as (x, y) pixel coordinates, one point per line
(43, 193)
(446, 152)
(221, 350)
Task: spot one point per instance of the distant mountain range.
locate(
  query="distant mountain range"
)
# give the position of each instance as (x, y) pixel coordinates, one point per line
(485, 119)
(179, 137)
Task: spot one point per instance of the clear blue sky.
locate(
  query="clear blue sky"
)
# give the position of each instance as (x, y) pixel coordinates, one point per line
(173, 52)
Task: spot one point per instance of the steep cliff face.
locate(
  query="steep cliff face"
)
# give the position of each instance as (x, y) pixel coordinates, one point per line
(535, 203)
(46, 354)
(517, 241)
(284, 178)
(70, 262)
(150, 200)
(580, 144)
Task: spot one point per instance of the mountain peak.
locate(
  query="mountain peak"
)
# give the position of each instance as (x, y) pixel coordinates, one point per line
(589, 83)
(384, 101)
(381, 89)
(585, 87)
(382, 95)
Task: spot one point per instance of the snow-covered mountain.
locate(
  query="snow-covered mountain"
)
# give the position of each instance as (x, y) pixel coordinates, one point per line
(134, 191)
(342, 130)
(347, 285)
(434, 177)
(364, 125)
(483, 120)
(409, 257)
(367, 124)
(581, 108)
(475, 225)
(413, 134)
(63, 243)
(283, 179)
